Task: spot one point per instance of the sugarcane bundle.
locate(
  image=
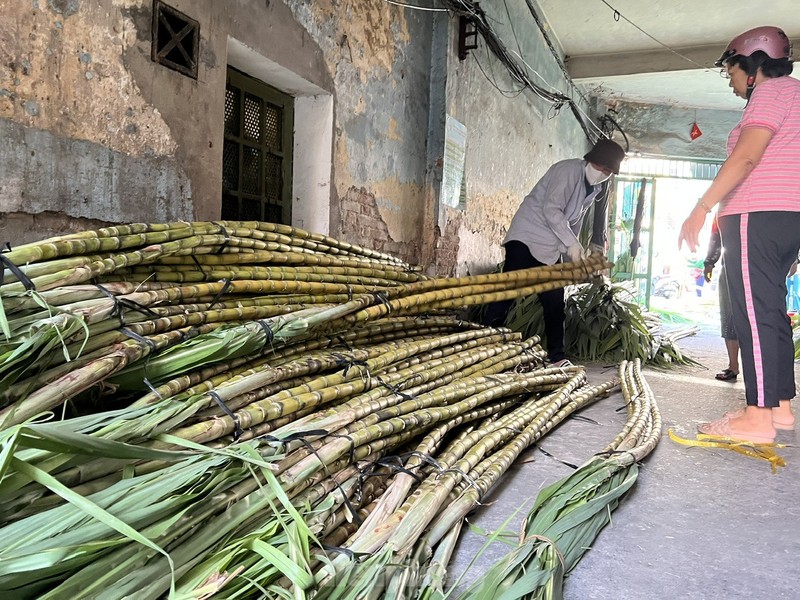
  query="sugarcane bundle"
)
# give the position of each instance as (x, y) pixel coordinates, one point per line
(568, 515)
(72, 319)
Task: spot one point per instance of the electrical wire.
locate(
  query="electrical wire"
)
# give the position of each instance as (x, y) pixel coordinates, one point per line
(415, 7)
(491, 80)
(476, 15)
(618, 15)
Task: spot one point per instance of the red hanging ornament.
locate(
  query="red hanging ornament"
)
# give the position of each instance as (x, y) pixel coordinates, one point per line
(695, 132)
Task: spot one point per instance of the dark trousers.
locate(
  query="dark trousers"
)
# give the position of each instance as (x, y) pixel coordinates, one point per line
(519, 257)
(759, 250)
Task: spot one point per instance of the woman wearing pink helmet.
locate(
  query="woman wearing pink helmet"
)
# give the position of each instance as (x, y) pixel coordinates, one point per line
(758, 193)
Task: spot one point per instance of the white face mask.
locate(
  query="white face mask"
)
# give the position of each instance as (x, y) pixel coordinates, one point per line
(594, 176)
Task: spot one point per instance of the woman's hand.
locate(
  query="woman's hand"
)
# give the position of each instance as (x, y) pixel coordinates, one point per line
(690, 230)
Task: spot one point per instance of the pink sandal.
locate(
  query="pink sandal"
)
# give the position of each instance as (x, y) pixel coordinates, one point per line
(722, 428)
(776, 423)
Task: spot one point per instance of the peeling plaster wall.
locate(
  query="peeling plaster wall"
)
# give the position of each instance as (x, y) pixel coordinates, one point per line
(512, 139)
(664, 130)
(77, 81)
(78, 133)
(379, 57)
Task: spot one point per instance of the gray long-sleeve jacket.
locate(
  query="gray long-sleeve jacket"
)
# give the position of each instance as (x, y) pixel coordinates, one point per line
(550, 217)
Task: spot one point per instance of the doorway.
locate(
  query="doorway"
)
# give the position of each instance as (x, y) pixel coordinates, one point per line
(662, 276)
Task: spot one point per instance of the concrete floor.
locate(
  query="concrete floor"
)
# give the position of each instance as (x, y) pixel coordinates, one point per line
(700, 523)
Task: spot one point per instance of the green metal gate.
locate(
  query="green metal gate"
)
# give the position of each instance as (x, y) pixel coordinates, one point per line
(627, 193)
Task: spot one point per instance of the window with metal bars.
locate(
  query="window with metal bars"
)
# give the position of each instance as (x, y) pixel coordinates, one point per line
(176, 39)
(257, 155)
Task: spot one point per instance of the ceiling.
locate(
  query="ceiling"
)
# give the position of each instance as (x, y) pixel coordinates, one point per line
(613, 59)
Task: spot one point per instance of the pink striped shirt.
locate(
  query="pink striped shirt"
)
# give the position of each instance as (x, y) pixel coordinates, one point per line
(774, 184)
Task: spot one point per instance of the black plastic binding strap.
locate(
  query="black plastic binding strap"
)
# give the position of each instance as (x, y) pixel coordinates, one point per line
(426, 458)
(267, 331)
(395, 463)
(563, 462)
(152, 388)
(237, 428)
(133, 305)
(469, 480)
(139, 338)
(301, 437)
(394, 389)
(350, 363)
(23, 279)
(384, 299)
(117, 310)
(224, 232)
(200, 267)
(585, 419)
(344, 343)
(226, 286)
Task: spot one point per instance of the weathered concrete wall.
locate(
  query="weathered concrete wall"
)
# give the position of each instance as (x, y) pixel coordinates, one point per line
(664, 130)
(80, 93)
(77, 132)
(379, 58)
(512, 138)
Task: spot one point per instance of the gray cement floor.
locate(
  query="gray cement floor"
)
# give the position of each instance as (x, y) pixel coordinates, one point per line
(700, 523)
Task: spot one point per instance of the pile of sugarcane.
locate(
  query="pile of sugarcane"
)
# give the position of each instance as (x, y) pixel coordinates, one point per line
(604, 323)
(239, 409)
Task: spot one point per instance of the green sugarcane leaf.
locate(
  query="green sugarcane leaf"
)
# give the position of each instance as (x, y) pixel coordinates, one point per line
(92, 510)
(283, 563)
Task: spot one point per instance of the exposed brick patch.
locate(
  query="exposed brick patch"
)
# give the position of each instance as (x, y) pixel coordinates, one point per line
(447, 245)
(361, 224)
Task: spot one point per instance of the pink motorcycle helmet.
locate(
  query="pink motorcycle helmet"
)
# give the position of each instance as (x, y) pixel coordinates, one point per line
(772, 41)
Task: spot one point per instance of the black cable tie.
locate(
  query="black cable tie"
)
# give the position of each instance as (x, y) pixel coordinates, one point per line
(300, 435)
(133, 305)
(224, 232)
(200, 267)
(225, 287)
(152, 388)
(563, 462)
(139, 338)
(267, 331)
(344, 343)
(394, 389)
(237, 428)
(356, 517)
(349, 363)
(352, 452)
(427, 458)
(587, 419)
(399, 468)
(384, 299)
(23, 279)
(117, 310)
(469, 480)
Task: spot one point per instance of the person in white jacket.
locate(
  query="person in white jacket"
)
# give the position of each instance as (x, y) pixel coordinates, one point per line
(545, 229)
